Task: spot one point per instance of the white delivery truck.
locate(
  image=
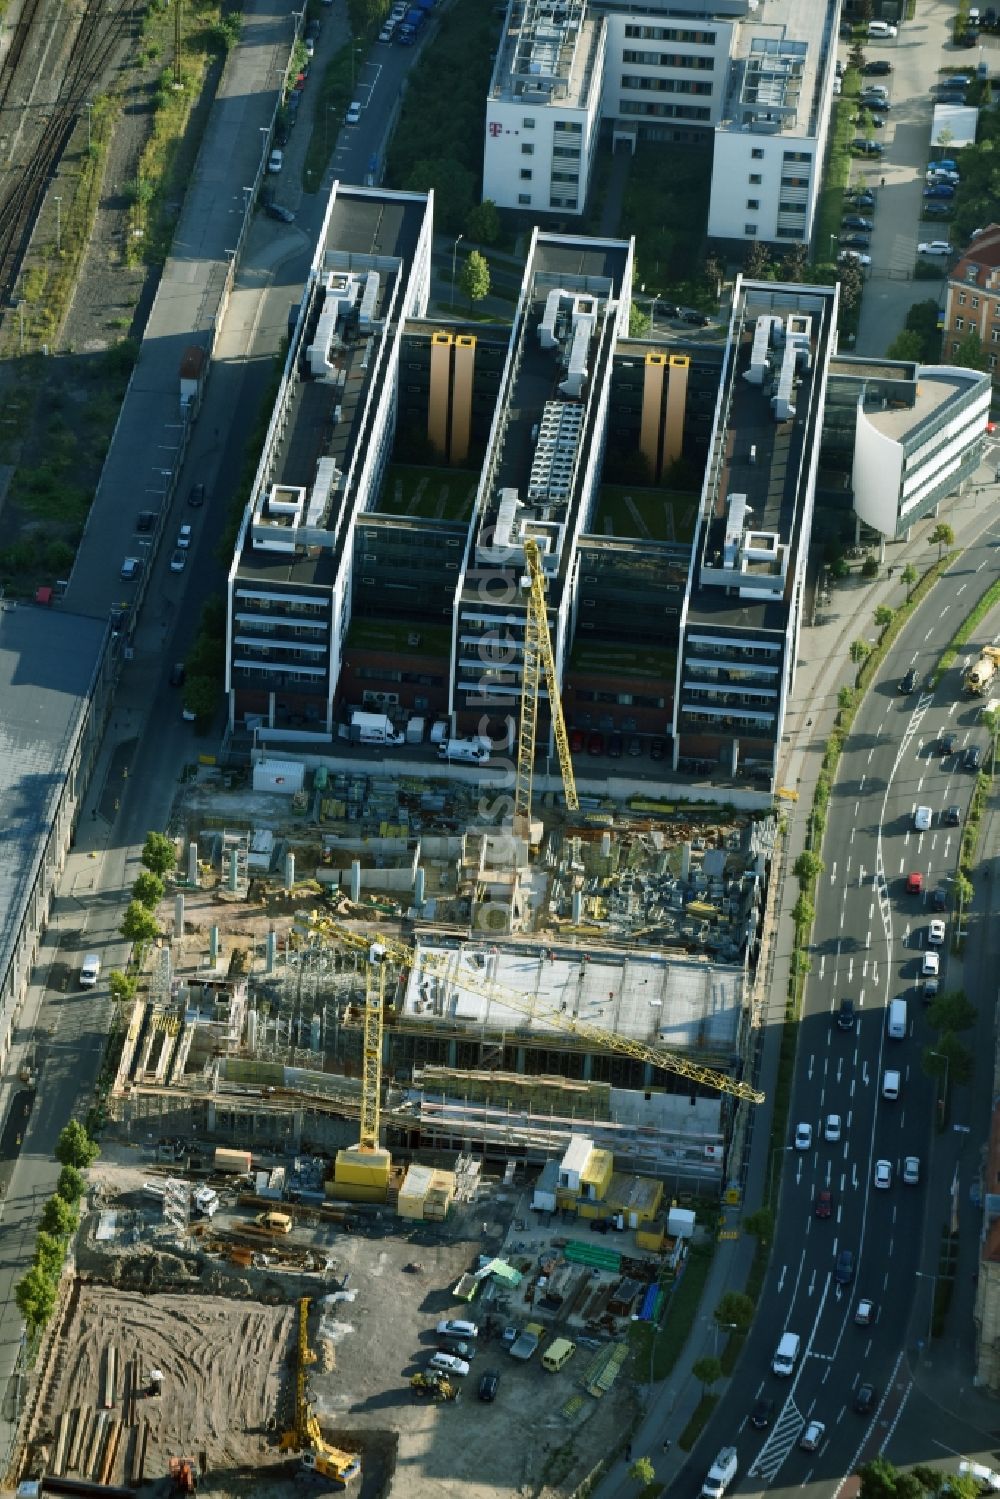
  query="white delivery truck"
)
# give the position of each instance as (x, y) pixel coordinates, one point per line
(465, 751)
(786, 1354)
(373, 728)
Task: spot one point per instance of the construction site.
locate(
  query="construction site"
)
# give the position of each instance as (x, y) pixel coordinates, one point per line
(411, 1101)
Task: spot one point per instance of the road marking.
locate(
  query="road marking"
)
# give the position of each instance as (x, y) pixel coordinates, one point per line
(857, 811)
(871, 913)
(833, 874)
(850, 969)
(861, 784)
(822, 965)
(861, 875)
(959, 590)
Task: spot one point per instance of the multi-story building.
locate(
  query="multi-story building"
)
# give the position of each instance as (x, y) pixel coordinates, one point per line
(972, 299)
(544, 107)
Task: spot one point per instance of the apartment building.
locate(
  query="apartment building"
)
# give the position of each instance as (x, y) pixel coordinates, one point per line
(972, 299)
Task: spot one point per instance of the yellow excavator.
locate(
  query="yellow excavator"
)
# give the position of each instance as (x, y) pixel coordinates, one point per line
(319, 1458)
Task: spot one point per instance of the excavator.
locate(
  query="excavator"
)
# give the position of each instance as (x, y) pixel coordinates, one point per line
(320, 1460)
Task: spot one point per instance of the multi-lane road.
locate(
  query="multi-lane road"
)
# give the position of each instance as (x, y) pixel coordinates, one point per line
(870, 936)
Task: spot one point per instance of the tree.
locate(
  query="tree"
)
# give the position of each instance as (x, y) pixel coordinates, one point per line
(475, 277)
(50, 1253)
(736, 1308)
(960, 1060)
(123, 986)
(909, 575)
(852, 283)
(880, 1480)
(757, 265)
(952, 1011)
(714, 274)
(148, 889)
(201, 695)
(483, 222)
(454, 189)
(856, 56)
(58, 1218)
(846, 698)
(942, 536)
(642, 1472)
(869, 568)
(760, 1225)
(884, 616)
(158, 854)
(803, 913)
(860, 651)
(707, 1371)
(807, 867)
(970, 354)
(963, 891)
(906, 345)
(36, 1298)
(793, 263)
(638, 321)
(74, 1147)
(71, 1185)
(138, 924)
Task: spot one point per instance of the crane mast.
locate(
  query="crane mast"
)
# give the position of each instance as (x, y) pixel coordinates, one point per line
(538, 657)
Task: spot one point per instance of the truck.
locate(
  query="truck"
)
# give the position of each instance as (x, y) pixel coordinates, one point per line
(411, 25)
(232, 1162)
(982, 672)
(720, 1474)
(205, 1202)
(473, 751)
(373, 728)
(526, 1343)
(415, 731)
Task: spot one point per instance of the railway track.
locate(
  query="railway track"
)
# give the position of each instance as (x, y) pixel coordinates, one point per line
(23, 188)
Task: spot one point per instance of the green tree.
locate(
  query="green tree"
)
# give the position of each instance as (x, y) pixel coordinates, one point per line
(970, 354)
(803, 912)
(839, 568)
(707, 1371)
(856, 56)
(846, 698)
(58, 1218)
(148, 889)
(736, 1309)
(869, 568)
(201, 697)
(475, 277)
(50, 1253)
(760, 1225)
(74, 1147)
(906, 345)
(793, 264)
(158, 854)
(942, 536)
(35, 1295)
(807, 867)
(961, 1062)
(884, 616)
(852, 283)
(909, 576)
(71, 1185)
(757, 265)
(860, 651)
(952, 1011)
(483, 222)
(963, 891)
(991, 718)
(123, 986)
(454, 188)
(138, 924)
(714, 274)
(642, 1472)
(638, 321)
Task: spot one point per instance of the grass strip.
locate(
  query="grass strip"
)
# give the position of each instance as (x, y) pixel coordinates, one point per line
(657, 1349)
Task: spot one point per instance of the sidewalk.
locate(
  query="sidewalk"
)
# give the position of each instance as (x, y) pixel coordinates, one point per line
(823, 668)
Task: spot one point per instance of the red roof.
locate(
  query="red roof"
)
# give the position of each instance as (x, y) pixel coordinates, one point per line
(979, 258)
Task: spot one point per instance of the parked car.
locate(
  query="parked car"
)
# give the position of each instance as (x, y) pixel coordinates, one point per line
(177, 674)
(280, 212)
(856, 221)
(856, 241)
(875, 118)
(276, 160)
(130, 569)
(861, 199)
(867, 148)
(938, 210)
(177, 561)
(879, 67)
(184, 536)
(595, 744)
(934, 247)
(353, 115)
(939, 190)
(855, 255)
(577, 739)
(696, 319)
(385, 35)
(616, 745)
(657, 749)
(489, 1384)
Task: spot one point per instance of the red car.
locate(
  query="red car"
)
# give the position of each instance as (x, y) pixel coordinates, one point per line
(914, 884)
(575, 741)
(824, 1204)
(595, 744)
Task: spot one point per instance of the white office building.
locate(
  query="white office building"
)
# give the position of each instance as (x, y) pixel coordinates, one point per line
(544, 107)
(771, 141)
(666, 72)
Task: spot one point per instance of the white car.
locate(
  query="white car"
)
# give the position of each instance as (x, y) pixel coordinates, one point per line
(855, 255)
(184, 537)
(353, 115)
(866, 1312)
(803, 1136)
(812, 1436)
(934, 247)
(276, 160)
(89, 970)
(831, 1129)
(931, 966)
(935, 933)
(911, 1170)
(455, 1328)
(883, 1174)
(447, 1363)
(922, 819)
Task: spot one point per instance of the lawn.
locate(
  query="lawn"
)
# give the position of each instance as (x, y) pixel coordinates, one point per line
(393, 635)
(665, 1345)
(666, 208)
(654, 515)
(632, 660)
(838, 166)
(431, 493)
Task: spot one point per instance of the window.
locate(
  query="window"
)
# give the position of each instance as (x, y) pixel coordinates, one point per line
(525, 174)
(757, 154)
(753, 202)
(755, 179)
(528, 122)
(750, 230)
(528, 150)
(959, 324)
(961, 298)
(993, 361)
(524, 197)
(955, 348)
(995, 336)
(973, 301)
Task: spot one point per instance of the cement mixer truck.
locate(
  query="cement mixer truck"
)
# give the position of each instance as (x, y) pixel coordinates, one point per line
(979, 678)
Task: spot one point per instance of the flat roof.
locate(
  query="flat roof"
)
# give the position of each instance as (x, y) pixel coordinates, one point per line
(777, 67)
(933, 391)
(681, 1003)
(47, 663)
(547, 54)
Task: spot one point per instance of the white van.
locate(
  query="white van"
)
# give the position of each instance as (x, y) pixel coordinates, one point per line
(895, 1020)
(882, 31)
(890, 1084)
(720, 1474)
(786, 1354)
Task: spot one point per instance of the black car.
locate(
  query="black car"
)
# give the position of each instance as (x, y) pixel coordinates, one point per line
(857, 221)
(909, 681)
(939, 899)
(867, 148)
(844, 1271)
(177, 674)
(657, 749)
(845, 1015)
(875, 119)
(196, 495)
(146, 520)
(762, 1413)
(616, 746)
(973, 758)
(946, 744)
(280, 212)
(855, 241)
(953, 816)
(669, 309)
(489, 1384)
(878, 68)
(696, 319)
(864, 1400)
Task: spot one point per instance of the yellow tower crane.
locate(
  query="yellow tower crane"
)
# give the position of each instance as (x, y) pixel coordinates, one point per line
(538, 657)
(668, 1061)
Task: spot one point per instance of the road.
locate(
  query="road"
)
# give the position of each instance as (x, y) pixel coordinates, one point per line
(869, 939)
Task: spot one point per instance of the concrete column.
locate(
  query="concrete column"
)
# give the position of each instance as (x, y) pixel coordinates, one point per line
(577, 907)
(178, 915)
(289, 871)
(418, 886)
(270, 951)
(192, 863)
(234, 871)
(213, 946)
(356, 880)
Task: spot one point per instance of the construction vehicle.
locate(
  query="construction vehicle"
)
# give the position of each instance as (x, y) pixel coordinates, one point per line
(434, 1385)
(465, 968)
(319, 1458)
(982, 672)
(181, 1472)
(538, 656)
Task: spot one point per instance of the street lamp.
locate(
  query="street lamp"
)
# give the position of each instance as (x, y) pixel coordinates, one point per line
(20, 313)
(454, 256)
(729, 1327)
(833, 246)
(58, 203)
(88, 106)
(942, 1102)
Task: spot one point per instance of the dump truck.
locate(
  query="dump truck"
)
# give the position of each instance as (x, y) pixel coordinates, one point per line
(526, 1343)
(981, 673)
